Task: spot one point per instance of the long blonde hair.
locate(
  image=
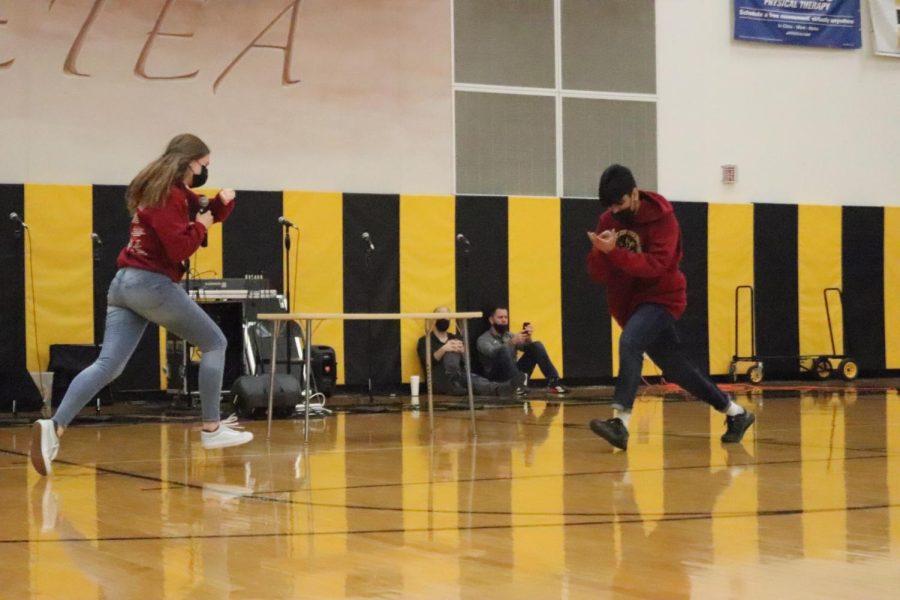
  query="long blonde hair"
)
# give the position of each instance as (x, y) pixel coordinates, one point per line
(151, 186)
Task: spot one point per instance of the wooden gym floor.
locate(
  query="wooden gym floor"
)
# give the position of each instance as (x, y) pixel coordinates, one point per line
(808, 506)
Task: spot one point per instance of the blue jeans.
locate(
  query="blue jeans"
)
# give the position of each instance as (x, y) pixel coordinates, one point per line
(533, 355)
(651, 330)
(135, 298)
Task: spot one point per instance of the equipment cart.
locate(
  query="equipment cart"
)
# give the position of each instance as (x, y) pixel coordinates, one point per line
(820, 366)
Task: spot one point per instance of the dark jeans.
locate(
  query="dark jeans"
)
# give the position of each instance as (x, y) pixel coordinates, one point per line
(651, 330)
(449, 377)
(534, 354)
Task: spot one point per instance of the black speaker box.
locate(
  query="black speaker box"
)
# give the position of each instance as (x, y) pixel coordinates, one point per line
(324, 368)
(17, 385)
(324, 361)
(250, 395)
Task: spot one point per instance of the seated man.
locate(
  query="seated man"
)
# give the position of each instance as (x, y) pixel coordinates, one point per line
(498, 348)
(448, 374)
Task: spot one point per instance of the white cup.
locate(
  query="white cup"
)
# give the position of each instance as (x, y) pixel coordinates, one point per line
(414, 385)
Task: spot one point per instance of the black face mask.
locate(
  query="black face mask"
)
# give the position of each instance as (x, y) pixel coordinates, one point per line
(501, 329)
(442, 324)
(199, 180)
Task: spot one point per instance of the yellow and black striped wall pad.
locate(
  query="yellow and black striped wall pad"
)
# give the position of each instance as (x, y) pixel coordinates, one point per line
(524, 253)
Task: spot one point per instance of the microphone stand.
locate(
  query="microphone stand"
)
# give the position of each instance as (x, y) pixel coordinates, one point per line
(465, 281)
(466, 285)
(18, 232)
(185, 348)
(97, 246)
(287, 295)
(369, 321)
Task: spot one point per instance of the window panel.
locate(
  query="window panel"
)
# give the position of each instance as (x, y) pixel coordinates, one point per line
(609, 45)
(597, 133)
(504, 42)
(505, 144)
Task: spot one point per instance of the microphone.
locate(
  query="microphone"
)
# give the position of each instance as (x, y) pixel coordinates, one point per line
(368, 239)
(462, 239)
(98, 243)
(15, 218)
(285, 223)
(204, 208)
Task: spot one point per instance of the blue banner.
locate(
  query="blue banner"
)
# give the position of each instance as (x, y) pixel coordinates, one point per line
(834, 23)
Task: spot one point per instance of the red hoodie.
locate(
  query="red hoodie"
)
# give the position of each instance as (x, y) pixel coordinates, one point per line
(164, 236)
(643, 267)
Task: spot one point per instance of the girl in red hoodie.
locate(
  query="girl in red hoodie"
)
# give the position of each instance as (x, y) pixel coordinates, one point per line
(167, 227)
(636, 251)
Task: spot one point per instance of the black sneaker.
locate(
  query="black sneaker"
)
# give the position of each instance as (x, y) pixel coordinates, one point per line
(612, 430)
(737, 425)
(521, 382)
(555, 387)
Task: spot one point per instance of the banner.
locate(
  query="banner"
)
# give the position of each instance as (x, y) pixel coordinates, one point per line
(886, 26)
(833, 24)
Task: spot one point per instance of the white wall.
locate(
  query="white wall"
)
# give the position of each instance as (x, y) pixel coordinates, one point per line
(804, 125)
(373, 110)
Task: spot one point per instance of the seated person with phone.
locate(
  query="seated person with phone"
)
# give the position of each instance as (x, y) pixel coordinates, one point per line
(498, 349)
(448, 374)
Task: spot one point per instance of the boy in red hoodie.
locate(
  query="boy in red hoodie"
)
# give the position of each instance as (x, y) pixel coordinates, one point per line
(636, 250)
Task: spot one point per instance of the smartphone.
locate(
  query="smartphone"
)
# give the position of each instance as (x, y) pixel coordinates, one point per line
(525, 325)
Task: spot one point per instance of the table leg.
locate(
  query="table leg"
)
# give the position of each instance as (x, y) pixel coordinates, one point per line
(428, 359)
(276, 325)
(307, 377)
(465, 325)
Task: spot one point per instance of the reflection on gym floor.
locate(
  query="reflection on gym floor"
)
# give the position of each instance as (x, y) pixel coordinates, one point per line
(535, 506)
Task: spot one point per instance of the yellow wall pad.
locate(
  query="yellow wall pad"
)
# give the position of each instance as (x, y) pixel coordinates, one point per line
(319, 268)
(730, 264)
(535, 288)
(60, 270)
(163, 359)
(819, 267)
(427, 267)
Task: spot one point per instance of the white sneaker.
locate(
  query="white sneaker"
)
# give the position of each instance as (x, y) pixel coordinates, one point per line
(226, 435)
(44, 445)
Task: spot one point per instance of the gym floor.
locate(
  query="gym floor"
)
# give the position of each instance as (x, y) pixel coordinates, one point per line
(533, 506)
